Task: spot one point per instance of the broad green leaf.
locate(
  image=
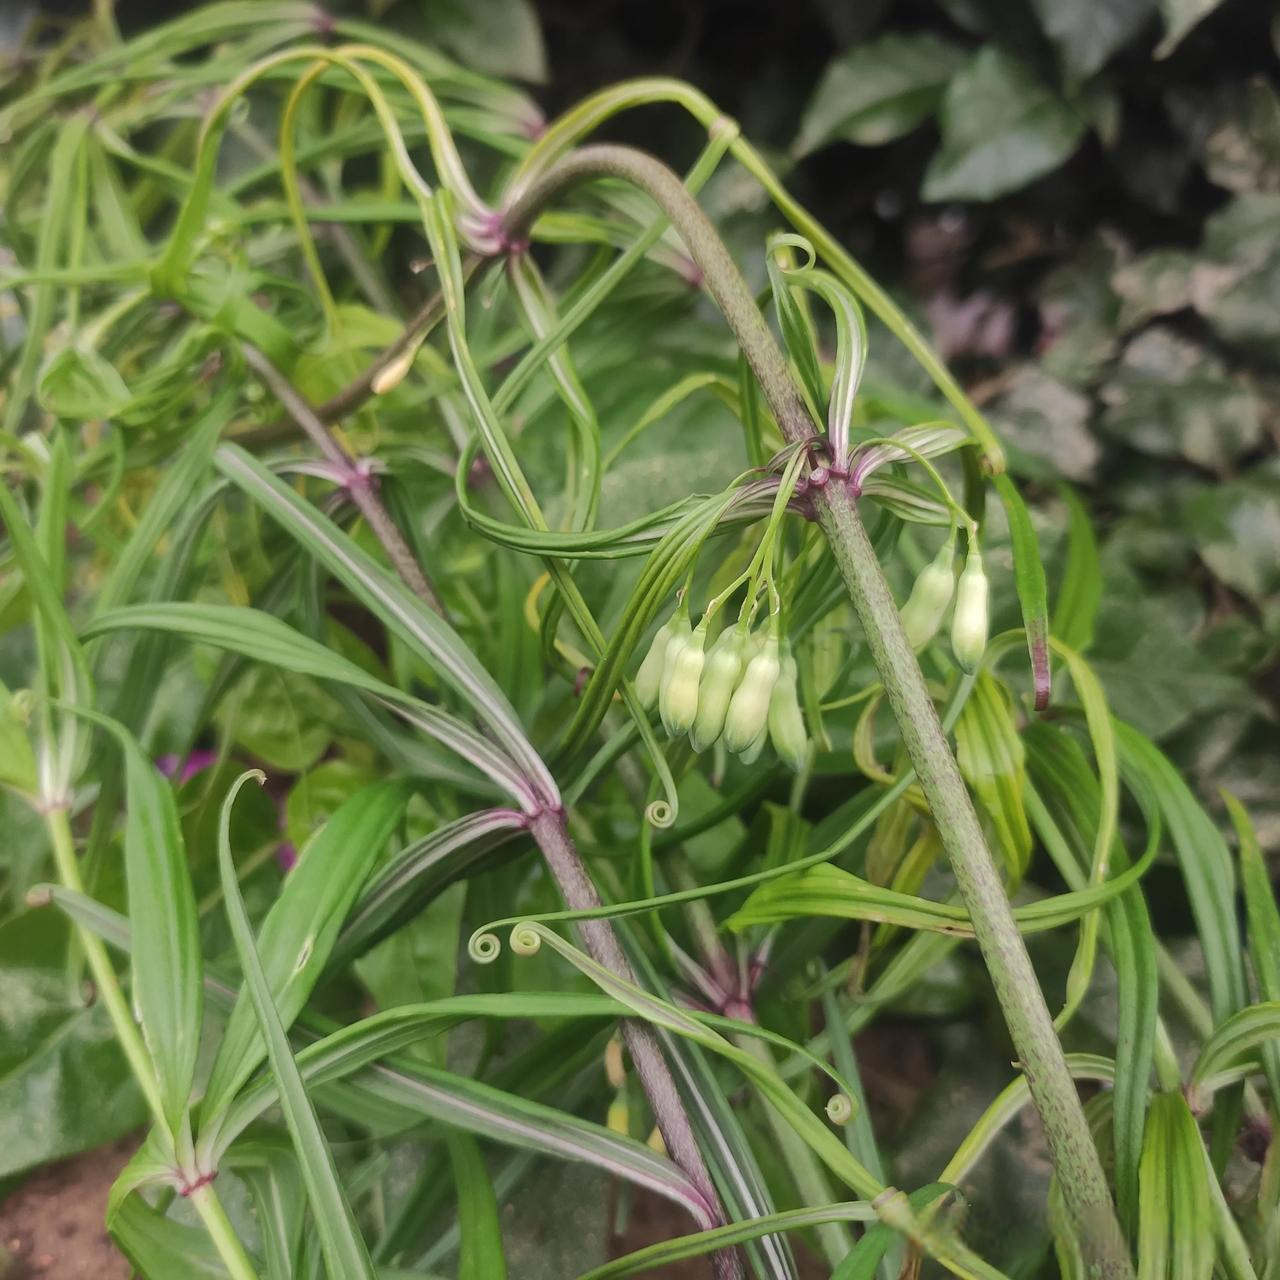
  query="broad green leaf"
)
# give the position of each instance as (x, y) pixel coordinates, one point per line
(989, 752)
(299, 931)
(167, 968)
(1173, 399)
(876, 92)
(1001, 129)
(65, 1085)
(501, 37)
(17, 763)
(1235, 527)
(1088, 32)
(1264, 924)
(480, 1256)
(1175, 1225)
(344, 1250)
(80, 384)
(1180, 16)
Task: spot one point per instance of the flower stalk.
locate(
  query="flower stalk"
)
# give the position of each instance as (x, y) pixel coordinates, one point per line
(1075, 1158)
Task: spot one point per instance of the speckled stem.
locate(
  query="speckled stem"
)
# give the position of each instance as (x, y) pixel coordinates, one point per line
(548, 830)
(1074, 1156)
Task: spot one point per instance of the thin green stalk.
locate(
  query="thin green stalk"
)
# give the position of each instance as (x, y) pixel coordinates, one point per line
(204, 1200)
(1075, 1158)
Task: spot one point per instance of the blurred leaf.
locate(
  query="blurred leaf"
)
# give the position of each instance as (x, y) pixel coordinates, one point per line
(1045, 423)
(1179, 17)
(280, 718)
(1156, 284)
(1080, 313)
(1235, 287)
(1241, 150)
(1171, 398)
(318, 794)
(17, 763)
(1088, 32)
(502, 37)
(65, 1086)
(1153, 673)
(878, 91)
(79, 383)
(1001, 129)
(1236, 530)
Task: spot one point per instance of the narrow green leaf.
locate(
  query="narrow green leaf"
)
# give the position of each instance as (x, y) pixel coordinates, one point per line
(1251, 1028)
(167, 967)
(1175, 1226)
(344, 1251)
(1264, 926)
(990, 754)
(643, 1261)
(480, 1256)
(299, 931)
(1080, 591)
(1033, 592)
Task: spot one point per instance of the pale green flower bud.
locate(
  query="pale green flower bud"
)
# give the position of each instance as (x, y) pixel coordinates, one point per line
(747, 720)
(786, 721)
(719, 680)
(969, 626)
(681, 675)
(649, 677)
(923, 613)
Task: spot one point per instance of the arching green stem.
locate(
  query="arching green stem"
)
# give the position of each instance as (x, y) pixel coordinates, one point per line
(1075, 1158)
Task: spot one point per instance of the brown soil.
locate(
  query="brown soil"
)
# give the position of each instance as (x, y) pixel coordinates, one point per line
(51, 1226)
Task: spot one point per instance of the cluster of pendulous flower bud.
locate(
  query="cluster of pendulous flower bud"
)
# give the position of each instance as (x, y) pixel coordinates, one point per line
(924, 611)
(742, 690)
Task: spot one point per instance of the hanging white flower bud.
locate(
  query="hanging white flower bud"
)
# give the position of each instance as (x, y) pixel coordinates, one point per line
(923, 613)
(786, 721)
(747, 720)
(681, 674)
(649, 676)
(719, 680)
(969, 626)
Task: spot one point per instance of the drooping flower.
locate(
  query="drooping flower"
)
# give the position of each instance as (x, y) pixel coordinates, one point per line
(969, 625)
(719, 680)
(786, 721)
(927, 605)
(747, 720)
(681, 675)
